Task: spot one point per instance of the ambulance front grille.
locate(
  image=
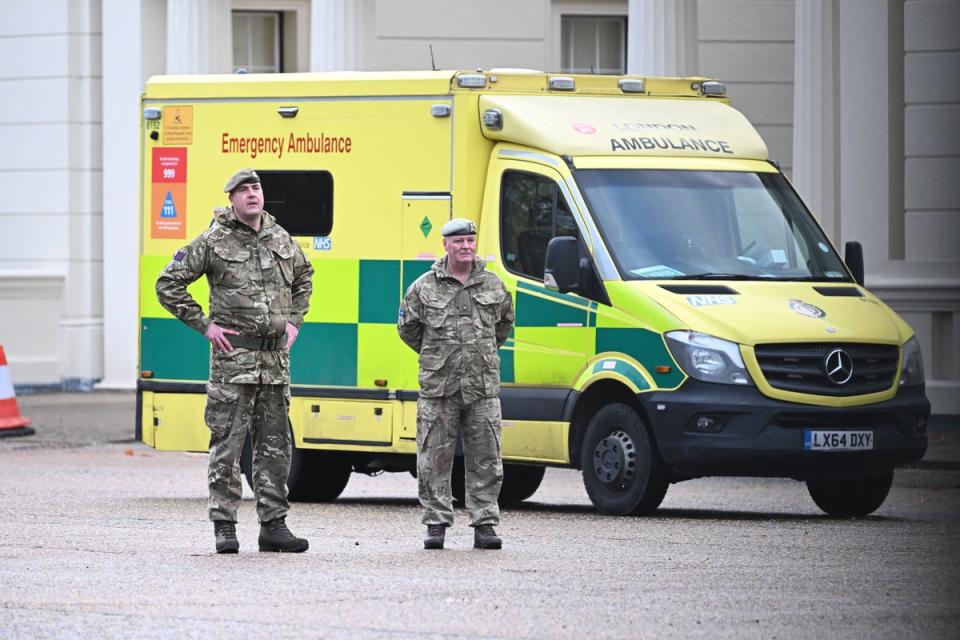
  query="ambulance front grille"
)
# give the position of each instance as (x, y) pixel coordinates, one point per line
(803, 368)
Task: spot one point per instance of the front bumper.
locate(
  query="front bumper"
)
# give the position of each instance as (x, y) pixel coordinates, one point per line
(764, 437)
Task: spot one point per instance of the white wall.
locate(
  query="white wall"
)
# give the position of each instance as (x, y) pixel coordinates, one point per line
(931, 200)
(50, 217)
(932, 124)
(749, 45)
(493, 33)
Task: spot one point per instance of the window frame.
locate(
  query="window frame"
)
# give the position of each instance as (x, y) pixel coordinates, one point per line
(278, 43)
(324, 202)
(597, 19)
(557, 197)
(786, 199)
(296, 29)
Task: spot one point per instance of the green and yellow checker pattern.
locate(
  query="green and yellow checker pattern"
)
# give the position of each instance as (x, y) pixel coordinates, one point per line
(348, 338)
(559, 338)
(381, 239)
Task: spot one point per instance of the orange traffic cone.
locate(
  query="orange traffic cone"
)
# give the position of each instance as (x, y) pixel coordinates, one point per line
(11, 422)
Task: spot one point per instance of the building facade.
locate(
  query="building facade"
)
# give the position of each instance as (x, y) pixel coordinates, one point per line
(854, 99)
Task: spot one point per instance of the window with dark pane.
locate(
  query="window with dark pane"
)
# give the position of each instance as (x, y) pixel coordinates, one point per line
(257, 41)
(593, 44)
(532, 211)
(301, 201)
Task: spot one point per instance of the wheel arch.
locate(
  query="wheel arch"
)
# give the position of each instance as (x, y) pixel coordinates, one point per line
(602, 392)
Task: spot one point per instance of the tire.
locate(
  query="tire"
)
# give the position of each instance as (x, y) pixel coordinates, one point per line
(520, 481)
(246, 461)
(457, 481)
(622, 470)
(315, 476)
(850, 497)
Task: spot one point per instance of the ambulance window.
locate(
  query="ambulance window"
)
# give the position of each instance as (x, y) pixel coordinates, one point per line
(532, 211)
(301, 201)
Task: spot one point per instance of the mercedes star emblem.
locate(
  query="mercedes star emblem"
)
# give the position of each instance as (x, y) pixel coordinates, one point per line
(839, 366)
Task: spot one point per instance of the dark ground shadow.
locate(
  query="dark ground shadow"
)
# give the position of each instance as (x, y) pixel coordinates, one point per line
(580, 509)
(696, 514)
(659, 514)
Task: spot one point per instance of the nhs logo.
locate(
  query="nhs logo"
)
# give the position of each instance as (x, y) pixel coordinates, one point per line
(706, 301)
(322, 243)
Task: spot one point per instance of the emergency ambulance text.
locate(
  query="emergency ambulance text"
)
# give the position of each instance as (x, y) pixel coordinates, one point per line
(307, 143)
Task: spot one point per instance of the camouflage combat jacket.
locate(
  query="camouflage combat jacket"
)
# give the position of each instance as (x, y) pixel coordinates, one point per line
(258, 282)
(457, 328)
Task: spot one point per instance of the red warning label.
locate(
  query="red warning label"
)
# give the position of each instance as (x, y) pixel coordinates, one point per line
(168, 205)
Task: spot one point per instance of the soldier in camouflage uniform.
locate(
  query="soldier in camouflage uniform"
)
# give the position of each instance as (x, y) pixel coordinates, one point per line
(260, 285)
(456, 316)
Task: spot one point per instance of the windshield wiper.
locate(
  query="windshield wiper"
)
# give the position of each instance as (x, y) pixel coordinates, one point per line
(815, 279)
(710, 275)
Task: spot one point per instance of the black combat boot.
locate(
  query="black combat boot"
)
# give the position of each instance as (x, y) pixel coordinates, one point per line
(484, 537)
(226, 533)
(274, 536)
(434, 537)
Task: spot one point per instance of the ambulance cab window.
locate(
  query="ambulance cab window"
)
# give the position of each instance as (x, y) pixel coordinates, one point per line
(532, 211)
(301, 201)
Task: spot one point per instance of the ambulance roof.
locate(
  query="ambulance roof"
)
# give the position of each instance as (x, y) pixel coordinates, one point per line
(576, 115)
(624, 126)
(299, 85)
(413, 83)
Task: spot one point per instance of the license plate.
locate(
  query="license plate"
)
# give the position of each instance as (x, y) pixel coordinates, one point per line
(838, 440)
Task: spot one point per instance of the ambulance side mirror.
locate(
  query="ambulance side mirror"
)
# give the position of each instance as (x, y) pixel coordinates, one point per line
(853, 256)
(562, 270)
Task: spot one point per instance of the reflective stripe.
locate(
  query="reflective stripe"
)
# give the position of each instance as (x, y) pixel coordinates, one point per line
(6, 385)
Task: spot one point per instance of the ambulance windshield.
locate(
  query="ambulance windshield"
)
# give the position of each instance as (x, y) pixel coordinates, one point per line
(670, 224)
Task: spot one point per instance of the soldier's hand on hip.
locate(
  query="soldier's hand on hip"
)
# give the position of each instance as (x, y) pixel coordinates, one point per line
(217, 335)
(292, 333)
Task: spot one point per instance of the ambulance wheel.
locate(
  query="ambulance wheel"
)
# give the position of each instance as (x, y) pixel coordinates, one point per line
(622, 470)
(458, 481)
(520, 481)
(850, 497)
(246, 461)
(315, 476)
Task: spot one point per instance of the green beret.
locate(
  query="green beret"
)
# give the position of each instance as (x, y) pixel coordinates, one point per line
(458, 227)
(244, 176)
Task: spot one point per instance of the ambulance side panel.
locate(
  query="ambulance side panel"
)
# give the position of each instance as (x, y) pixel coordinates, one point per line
(390, 161)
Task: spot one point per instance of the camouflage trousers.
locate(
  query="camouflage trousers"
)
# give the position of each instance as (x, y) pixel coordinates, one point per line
(233, 410)
(438, 421)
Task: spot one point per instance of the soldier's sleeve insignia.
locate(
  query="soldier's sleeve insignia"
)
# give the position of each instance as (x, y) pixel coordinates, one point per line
(179, 255)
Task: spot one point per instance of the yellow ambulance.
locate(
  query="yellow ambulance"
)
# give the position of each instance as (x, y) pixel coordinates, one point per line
(679, 312)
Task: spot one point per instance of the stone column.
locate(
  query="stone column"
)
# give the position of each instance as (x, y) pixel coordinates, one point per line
(337, 34)
(816, 111)
(871, 128)
(662, 37)
(81, 325)
(122, 78)
(199, 36)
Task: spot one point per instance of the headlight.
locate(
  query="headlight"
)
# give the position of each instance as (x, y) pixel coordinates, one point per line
(707, 358)
(912, 372)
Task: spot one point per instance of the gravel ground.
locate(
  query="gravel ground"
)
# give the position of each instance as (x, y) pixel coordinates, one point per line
(107, 538)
